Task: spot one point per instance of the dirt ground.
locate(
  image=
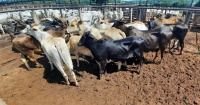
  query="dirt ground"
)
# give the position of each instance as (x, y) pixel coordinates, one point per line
(173, 82)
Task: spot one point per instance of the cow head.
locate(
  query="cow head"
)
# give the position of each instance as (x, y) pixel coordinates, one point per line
(83, 41)
(55, 24)
(15, 26)
(118, 24)
(37, 33)
(152, 24)
(73, 27)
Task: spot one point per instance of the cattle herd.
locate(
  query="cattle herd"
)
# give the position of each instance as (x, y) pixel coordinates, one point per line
(102, 38)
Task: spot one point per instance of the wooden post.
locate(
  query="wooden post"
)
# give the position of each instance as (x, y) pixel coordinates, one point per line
(104, 11)
(120, 10)
(80, 13)
(61, 13)
(139, 15)
(143, 15)
(45, 11)
(20, 15)
(131, 14)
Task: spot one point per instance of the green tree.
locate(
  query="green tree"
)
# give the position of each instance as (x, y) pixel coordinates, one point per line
(100, 1)
(197, 4)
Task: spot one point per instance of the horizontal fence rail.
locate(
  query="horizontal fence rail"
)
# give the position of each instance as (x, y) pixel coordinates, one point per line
(14, 8)
(139, 9)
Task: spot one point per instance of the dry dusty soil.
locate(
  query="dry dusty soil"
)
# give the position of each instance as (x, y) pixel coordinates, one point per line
(175, 81)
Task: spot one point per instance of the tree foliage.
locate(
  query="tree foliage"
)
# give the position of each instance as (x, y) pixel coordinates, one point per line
(197, 4)
(100, 1)
(166, 3)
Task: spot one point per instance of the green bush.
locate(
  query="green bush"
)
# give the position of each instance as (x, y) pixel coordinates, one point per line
(197, 4)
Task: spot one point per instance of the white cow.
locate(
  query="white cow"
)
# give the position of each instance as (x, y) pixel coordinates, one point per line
(3, 18)
(55, 49)
(102, 24)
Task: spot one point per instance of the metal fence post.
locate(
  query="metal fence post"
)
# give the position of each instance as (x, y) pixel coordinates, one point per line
(187, 18)
(61, 13)
(131, 14)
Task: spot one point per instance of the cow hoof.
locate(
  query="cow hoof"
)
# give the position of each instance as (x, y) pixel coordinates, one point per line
(138, 71)
(68, 83)
(76, 84)
(29, 69)
(39, 66)
(100, 76)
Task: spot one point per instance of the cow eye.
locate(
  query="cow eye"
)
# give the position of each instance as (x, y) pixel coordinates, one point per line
(72, 25)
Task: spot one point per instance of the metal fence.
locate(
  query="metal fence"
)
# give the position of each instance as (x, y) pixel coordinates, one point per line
(140, 10)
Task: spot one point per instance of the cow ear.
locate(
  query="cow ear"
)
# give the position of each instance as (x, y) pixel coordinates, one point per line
(121, 23)
(122, 18)
(80, 22)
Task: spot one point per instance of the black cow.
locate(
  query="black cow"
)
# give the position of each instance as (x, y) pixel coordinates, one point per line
(179, 32)
(120, 50)
(154, 40)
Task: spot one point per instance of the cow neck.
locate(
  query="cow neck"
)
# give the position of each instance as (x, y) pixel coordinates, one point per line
(124, 29)
(76, 31)
(91, 44)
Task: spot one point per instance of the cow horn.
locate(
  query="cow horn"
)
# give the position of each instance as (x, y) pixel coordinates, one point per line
(122, 18)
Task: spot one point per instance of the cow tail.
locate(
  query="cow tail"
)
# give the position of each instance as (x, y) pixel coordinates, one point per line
(63, 52)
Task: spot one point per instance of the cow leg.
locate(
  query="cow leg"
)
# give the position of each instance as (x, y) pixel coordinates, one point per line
(125, 63)
(173, 45)
(181, 42)
(58, 63)
(77, 58)
(72, 73)
(170, 48)
(32, 58)
(162, 50)
(51, 64)
(24, 60)
(99, 65)
(139, 59)
(48, 57)
(2, 28)
(156, 55)
(119, 63)
(177, 43)
(64, 56)
(102, 69)
(74, 77)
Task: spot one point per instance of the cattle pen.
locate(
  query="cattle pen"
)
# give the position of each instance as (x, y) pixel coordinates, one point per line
(173, 81)
(130, 12)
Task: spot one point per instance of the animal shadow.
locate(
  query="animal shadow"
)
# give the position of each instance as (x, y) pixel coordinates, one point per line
(86, 66)
(90, 66)
(53, 76)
